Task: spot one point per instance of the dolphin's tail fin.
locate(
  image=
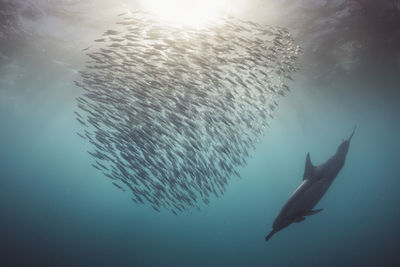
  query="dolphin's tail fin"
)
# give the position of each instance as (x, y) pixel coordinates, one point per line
(351, 136)
(268, 237)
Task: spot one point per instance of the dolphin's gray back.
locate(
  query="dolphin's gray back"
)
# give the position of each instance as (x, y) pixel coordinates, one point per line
(316, 182)
(304, 198)
(332, 166)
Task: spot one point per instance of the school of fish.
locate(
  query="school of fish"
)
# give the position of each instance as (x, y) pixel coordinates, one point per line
(172, 112)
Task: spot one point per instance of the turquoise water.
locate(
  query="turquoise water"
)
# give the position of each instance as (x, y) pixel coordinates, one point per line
(57, 210)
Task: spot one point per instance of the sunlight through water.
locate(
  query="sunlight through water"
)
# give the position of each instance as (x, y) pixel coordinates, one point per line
(188, 12)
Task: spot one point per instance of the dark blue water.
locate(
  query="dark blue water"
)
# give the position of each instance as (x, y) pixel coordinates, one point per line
(57, 210)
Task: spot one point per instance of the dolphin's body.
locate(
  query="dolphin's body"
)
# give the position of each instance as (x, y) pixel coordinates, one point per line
(316, 181)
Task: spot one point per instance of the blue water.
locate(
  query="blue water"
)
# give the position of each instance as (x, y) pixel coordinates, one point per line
(57, 210)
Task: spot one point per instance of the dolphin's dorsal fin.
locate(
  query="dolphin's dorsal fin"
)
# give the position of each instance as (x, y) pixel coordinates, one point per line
(309, 170)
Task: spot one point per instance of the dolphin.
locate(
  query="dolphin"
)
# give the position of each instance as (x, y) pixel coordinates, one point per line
(316, 181)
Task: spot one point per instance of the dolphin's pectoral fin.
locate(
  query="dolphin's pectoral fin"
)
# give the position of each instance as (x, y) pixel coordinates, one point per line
(299, 219)
(306, 213)
(312, 212)
(309, 170)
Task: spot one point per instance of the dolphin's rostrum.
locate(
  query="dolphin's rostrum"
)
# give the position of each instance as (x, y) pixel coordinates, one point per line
(316, 181)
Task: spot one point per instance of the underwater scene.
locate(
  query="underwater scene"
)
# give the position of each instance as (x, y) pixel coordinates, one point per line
(199, 133)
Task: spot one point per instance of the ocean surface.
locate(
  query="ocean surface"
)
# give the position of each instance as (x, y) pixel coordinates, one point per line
(57, 210)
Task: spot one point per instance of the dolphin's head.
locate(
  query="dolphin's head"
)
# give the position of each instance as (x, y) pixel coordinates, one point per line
(281, 222)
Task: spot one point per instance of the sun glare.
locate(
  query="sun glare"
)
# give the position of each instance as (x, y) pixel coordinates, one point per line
(188, 12)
